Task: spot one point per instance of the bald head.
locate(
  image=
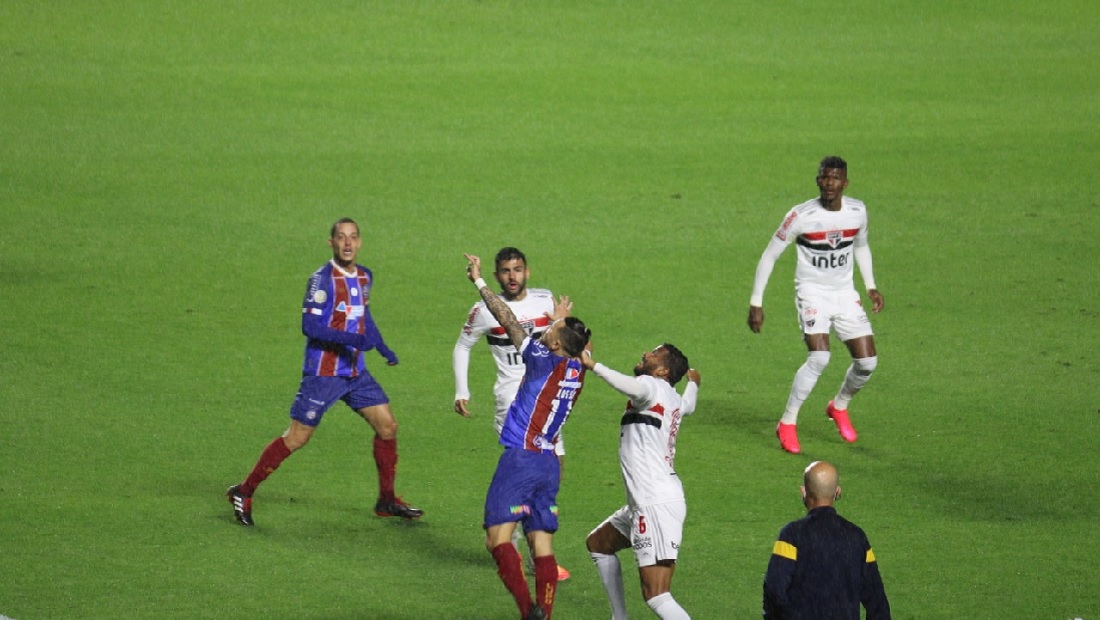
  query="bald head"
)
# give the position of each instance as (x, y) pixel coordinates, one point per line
(820, 484)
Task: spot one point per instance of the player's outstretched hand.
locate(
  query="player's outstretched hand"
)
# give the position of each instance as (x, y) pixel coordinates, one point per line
(756, 318)
(562, 309)
(877, 301)
(473, 267)
(693, 376)
(386, 352)
(461, 409)
(586, 359)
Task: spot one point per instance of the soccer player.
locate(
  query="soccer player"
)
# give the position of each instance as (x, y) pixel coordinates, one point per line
(338, 326)
(531, 307)
(822, 565)
(652, 521)
(525, 485)
(831, 231)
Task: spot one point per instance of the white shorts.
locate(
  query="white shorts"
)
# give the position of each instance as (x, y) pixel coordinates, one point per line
(843, 312)
(504, 398)
(654, 531)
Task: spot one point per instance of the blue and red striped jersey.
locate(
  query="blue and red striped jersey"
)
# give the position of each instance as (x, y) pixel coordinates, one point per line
(336, 301)
(547, 393)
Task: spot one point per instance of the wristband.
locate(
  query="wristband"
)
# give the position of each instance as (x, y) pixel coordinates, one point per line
(480, 283)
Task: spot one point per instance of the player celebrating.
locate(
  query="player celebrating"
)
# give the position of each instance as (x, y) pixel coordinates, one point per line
(531, 307)
(525, 485)
(831, 231)
(653, 519)
(338, 326)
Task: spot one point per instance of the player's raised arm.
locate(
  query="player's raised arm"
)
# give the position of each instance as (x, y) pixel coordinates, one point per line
(500, 310)
(691, 392)
(625, 384)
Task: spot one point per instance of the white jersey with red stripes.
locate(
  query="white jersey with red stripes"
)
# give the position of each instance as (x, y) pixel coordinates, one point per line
(647, 440)
(825, 241)
(531, 314)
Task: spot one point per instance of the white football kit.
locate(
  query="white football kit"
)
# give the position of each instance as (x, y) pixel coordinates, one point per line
(531, 314)
(829, 242)
(653, 519)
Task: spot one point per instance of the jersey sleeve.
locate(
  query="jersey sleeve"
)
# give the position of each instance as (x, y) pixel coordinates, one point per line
(641, 392)
(689, 398)
(873, 596)
(778, 243)
(777, 579)
(861, 250)
(471, 332)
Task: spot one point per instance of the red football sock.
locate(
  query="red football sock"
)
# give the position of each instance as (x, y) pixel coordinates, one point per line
(510, 569)
(270, 459)
(546, 582)
(385, 457)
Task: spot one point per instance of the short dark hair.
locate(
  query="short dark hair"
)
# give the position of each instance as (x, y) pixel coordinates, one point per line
(507, 254)
(833, 161)
(676, 363)
(343, 220)
(574, 337)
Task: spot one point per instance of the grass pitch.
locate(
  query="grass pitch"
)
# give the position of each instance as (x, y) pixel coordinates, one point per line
(169, 172)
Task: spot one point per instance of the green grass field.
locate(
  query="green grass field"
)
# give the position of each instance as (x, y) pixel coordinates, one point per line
(168, 173)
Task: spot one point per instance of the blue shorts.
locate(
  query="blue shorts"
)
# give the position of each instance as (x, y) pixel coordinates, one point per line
(525, 489)
(317, 394)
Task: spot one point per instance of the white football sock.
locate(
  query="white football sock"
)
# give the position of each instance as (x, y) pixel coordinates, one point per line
(804, 381)
(667, 608)
(611, 575)
(854, 380)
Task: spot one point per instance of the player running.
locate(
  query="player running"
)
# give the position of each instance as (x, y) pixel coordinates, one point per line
(831, 233)
(652, 522)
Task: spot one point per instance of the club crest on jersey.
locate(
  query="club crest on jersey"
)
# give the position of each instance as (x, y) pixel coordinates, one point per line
(834, 237)
(354, 292)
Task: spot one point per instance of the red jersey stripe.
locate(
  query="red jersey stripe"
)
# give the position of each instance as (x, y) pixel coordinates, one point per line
(821, 236)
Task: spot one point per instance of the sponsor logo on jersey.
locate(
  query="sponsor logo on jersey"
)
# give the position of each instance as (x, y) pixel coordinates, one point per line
(571, 374)
(645, 543)
(352, 311)
(830, 260)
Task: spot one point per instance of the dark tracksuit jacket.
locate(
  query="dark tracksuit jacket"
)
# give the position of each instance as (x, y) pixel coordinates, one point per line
(822, 568)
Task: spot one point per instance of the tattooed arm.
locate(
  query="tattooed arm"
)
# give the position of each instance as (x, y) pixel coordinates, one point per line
(496, 305)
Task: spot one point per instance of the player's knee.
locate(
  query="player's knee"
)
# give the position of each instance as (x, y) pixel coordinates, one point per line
(817, 361)
(385, 428)
(592, 543)
(865, 365)
(598, 543)
(297, 436)
(605, 539)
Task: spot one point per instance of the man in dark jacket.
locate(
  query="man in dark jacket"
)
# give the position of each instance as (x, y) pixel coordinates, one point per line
(822, 566)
